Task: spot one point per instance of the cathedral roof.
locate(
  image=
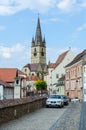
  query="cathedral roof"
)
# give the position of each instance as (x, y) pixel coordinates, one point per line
(34, 67)
(33, 77)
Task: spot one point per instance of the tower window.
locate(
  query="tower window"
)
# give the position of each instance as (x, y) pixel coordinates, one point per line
(42, 53)
(35, 53)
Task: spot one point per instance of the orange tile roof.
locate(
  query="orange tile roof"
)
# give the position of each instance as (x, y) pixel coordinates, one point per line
(52, 65)
(8, 74)
(5, 84)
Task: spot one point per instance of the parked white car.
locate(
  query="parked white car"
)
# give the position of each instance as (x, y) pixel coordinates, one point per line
(75, 99)
(55, 100)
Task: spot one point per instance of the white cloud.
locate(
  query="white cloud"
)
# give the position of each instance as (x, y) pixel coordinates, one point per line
(8, 52)
(5, 52)
(55, 19)
(66, 5)
(82, 27)
(78, 30)
(83, 4)
(15, 56)
(18, 55)
(53, 53)
(8, 7)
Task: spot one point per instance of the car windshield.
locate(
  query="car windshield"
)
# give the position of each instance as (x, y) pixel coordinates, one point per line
(64, 97)
(55, 96)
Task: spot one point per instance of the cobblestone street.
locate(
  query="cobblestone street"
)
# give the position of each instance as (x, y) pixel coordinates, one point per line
(70, 120)
(67, 118)
(41, 119)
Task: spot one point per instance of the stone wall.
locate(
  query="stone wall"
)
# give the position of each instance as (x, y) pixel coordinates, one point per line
(13, 109)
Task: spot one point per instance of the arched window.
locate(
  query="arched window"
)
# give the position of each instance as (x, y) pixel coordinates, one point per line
(42, 53)
(35, 52)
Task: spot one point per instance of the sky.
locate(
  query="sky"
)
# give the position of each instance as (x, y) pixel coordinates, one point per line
(63, 24)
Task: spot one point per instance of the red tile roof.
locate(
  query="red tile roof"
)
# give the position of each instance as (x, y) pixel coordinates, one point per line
(9, 74)
(5, 84)
(52, 65)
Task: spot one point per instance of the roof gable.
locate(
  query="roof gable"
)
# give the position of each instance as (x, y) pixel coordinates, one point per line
(61, 58)
(77, 58)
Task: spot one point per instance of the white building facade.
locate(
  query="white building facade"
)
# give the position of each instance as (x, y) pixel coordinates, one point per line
(57, 70)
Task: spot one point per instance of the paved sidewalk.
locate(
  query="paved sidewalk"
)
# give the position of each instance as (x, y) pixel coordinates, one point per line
(82, 125)
(70, 120)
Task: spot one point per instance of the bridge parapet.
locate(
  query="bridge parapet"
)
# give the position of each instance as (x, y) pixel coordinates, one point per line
(13, 109)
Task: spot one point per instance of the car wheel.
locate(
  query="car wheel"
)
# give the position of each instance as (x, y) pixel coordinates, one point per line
(47, 106)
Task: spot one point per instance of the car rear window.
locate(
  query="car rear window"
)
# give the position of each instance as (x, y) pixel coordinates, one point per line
(55, 96)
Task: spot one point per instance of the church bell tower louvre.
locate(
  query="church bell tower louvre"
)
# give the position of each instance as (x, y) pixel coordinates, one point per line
(38, 46)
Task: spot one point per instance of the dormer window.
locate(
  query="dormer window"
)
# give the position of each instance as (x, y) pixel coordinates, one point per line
(17, 81)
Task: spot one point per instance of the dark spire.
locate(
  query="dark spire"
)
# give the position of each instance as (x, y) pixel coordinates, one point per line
(33, 42)
(44, 42)
(38, 36)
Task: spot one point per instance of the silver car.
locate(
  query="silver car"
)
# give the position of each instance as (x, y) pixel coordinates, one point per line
(65, 99)
(55, 100)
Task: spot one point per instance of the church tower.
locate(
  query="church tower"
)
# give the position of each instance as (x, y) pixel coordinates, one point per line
(38, 66)
(38, 47)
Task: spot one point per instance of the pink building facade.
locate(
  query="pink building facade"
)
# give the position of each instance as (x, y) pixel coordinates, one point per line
(74, 77)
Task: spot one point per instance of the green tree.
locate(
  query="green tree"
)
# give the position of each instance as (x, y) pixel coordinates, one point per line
(41, 85)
